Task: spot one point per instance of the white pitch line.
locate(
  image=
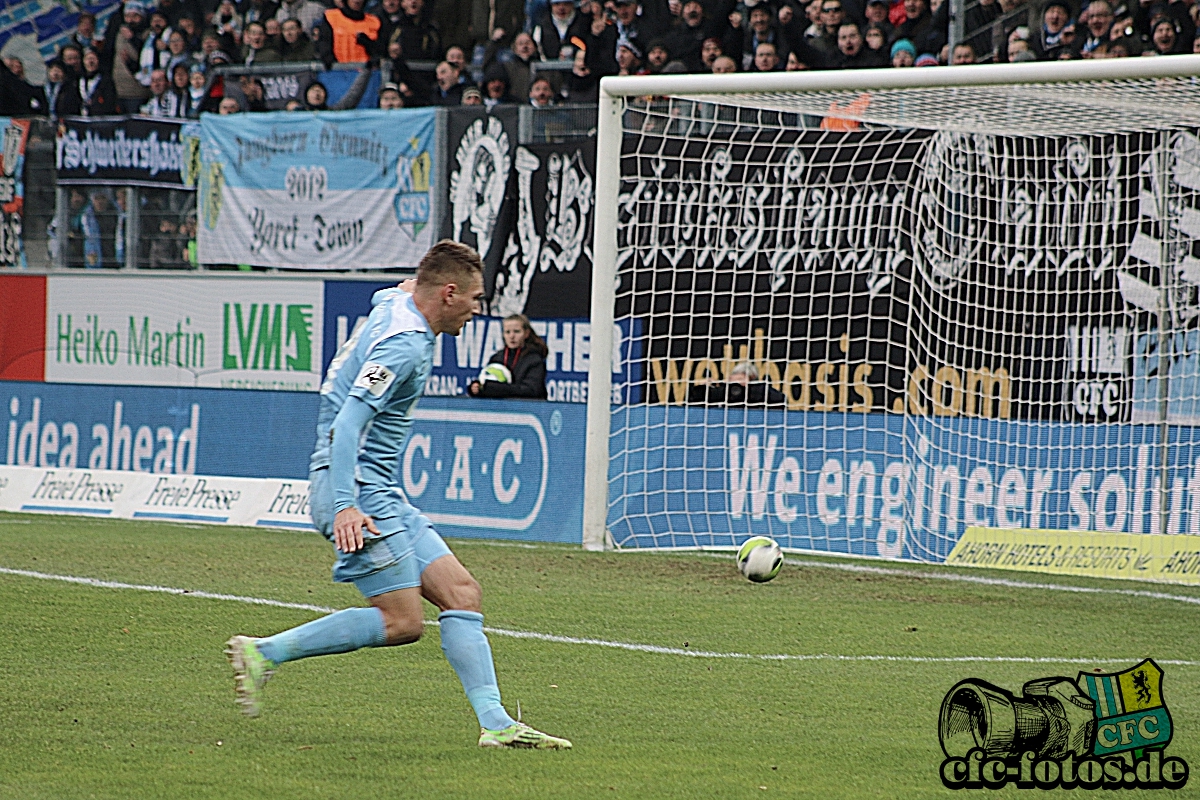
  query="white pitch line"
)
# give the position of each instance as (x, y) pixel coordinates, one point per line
(628, 646)
(980, 580)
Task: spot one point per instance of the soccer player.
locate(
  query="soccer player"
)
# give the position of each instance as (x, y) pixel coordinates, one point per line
(384, 546)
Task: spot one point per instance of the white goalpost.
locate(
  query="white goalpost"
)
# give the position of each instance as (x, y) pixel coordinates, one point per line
(867, 310)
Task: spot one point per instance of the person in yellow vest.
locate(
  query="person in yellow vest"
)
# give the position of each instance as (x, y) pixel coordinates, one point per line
(348, 35)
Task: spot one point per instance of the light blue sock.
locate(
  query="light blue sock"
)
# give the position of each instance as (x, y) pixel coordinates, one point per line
(467, 649)
(351, 629)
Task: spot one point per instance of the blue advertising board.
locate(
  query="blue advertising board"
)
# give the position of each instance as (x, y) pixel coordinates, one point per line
(488, 468)
(890, 485)
(252, 434)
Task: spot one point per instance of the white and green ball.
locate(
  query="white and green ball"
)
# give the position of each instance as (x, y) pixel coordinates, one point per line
(495, 372)
(759, 559)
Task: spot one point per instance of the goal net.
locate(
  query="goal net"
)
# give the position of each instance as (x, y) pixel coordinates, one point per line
(869, 315)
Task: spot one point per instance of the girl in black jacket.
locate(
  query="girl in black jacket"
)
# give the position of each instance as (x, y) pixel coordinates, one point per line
(524, 355)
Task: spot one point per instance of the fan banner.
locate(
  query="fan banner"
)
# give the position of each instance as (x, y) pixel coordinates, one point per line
(12, 191)
(125, 151)
(914, 271)
(334, 190)
(528, 209)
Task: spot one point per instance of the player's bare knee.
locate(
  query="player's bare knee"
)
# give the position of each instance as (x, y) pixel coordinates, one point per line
(467, 595)
(402, 630)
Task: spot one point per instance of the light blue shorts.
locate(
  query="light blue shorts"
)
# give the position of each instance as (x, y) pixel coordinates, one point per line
(394, 559)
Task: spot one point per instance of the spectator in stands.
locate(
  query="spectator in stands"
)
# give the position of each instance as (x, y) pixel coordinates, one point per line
(920, 29)
(419, 39)
(629, 59)
(488, 16)
(963, 54)
(446, 90)
(273, 29)
(62, 93)
(710, 51)
(390, 15)
(109, 228)
(315, 96)
(762, 31)
(165, 251)
(687, 39)
(228, 25)
(541, 93)
(18, 97)
(1018, 48)
(472, 97)
(602, 41)
(97, 92)
(580, 86)
(258, 11)
(254, 92)
(83, 231)
(876, 15)
(1099, 23)
(657, 57)
(179, 84)
(553, 32)
(903, 53)
(724, 65)
(126, 65)
(794, 64)
(254, 46)
(833, 16)
(186, 25)
(85, 32)
(348, 35)
(163, 102)
(495, 87)
(926, 60)
(742, 387)
(229, 106)
(875, 39)
(176, 52)
(294, 45)
(153, 54)
(210, 45)
(1165, 37)
(456, 56)
(524, 356)
(197, 99)
(765, 58)
(390, 97)
(853, 51)
(72, 59)
(308, 13)
(520, 66)
(1048, 43)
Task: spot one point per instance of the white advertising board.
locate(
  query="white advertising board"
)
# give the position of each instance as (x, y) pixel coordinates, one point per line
(234, 334)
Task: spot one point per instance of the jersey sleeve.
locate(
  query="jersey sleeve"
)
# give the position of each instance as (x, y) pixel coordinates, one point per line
(388, 364)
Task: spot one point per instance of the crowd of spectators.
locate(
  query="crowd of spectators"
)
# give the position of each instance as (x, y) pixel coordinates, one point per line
(155, 58)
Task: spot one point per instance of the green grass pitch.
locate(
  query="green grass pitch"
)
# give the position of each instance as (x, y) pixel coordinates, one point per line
(119, 693)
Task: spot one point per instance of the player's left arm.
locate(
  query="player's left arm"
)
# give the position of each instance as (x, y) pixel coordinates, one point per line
(348, 521)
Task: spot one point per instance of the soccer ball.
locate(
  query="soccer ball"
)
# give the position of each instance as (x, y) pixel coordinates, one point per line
(759, 559)
(495, 372)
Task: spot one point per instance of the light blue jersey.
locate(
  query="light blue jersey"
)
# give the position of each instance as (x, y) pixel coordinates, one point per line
(385, 364)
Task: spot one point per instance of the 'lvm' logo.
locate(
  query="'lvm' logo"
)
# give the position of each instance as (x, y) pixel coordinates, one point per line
(267, 336)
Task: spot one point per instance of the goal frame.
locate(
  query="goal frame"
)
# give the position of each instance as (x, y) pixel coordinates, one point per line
(613, 90)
